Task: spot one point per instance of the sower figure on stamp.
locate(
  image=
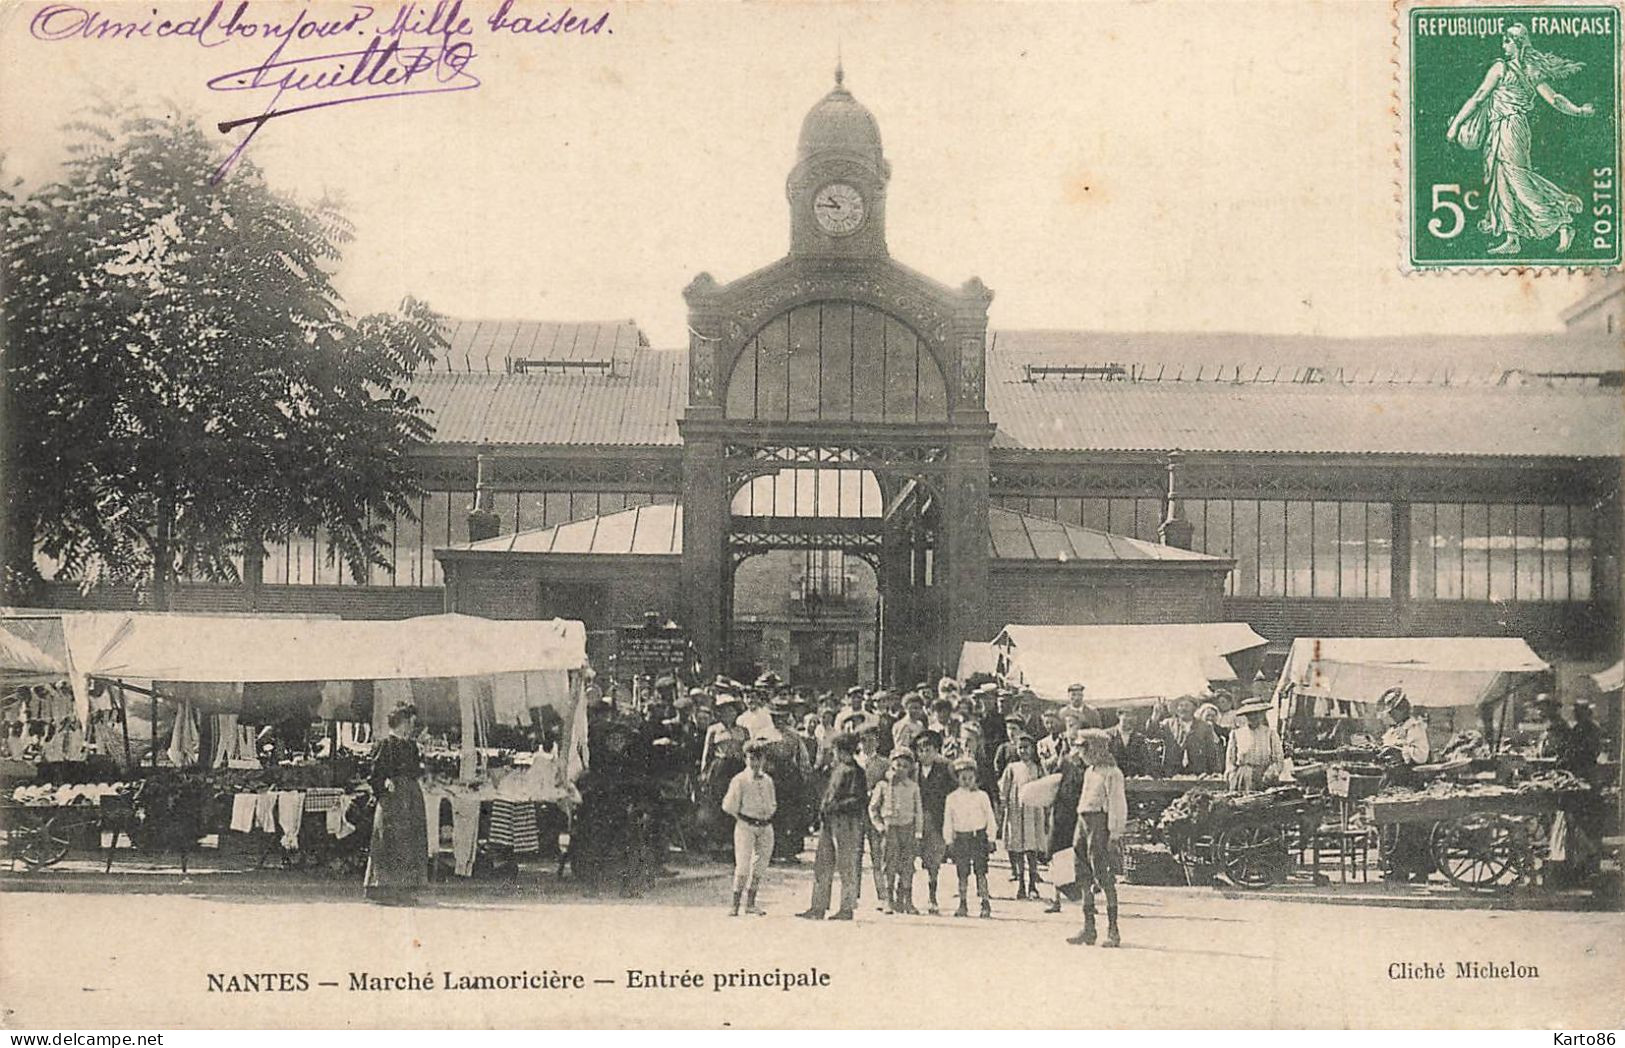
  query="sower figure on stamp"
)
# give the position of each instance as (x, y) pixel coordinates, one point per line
(1519, 203)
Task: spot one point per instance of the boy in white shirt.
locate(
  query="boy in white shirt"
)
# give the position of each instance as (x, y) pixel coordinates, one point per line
(968, 827)
(752, 801)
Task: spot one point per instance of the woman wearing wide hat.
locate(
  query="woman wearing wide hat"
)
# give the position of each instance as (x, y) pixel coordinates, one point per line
(1254, 757)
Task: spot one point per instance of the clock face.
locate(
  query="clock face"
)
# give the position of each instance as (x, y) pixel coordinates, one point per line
(839, 209)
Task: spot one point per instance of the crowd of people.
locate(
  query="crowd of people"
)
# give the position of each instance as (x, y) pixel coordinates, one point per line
(919, 779)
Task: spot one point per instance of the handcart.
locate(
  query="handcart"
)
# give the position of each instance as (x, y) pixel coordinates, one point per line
(1491, 840)
(1244, 839)
(41, 835)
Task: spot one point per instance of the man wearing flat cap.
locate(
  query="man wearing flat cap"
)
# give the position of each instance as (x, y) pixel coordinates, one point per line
(1075, 699)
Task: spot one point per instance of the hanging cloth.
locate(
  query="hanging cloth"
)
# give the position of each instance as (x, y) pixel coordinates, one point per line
(465, 831)
(183, 740)
(337, 702)
(290, 811)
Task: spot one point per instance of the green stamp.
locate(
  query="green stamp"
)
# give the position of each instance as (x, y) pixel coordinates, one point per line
(1514, 136)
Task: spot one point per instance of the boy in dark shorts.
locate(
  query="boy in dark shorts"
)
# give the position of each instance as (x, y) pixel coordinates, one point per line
(968, 825)
(936, 778)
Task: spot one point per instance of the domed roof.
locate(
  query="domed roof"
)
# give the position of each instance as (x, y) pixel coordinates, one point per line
(840, 123)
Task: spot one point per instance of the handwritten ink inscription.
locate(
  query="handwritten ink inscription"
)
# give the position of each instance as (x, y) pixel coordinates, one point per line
(364, 55)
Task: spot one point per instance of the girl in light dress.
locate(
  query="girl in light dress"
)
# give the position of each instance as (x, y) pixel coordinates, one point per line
(1025, 827)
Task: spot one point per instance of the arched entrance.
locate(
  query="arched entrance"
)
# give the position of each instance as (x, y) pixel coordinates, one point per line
(830, 569)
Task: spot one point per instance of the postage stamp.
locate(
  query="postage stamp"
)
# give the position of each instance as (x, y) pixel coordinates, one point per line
(1512, 135)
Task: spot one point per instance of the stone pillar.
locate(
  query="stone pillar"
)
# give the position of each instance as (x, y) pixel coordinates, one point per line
(896, 605)
(705, 530)
(963, 555)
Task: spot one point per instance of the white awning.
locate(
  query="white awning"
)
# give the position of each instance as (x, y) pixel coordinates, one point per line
(1434, 671)
(1122, 665)
(977, 657)
(209, 649)
(22, 662)
(1610, 679)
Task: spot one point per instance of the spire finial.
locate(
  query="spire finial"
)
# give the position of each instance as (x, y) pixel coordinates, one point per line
(840, 71)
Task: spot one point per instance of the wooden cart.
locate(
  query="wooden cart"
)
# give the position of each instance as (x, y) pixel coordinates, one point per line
(1251, 846)
(41, 835)
(1479, 842)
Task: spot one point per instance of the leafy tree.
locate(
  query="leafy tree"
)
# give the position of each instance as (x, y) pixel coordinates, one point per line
(184, 383)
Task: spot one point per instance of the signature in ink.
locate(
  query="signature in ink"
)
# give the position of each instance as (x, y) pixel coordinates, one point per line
(380, 70)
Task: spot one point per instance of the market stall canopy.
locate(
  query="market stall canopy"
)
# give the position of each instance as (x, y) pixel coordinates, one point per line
(1434, 671)
(977, 657)
(1122, 665)
(203, 649)
(1610, 679)
(23, 663)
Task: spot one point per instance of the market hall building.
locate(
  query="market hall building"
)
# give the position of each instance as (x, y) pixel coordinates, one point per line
(845, 474)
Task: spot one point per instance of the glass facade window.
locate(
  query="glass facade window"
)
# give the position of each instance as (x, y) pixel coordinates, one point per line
(848, 493)
(1271, 549)
(1096, 514)
(1500, 552)
(1475, 552)
(1323, 550)
(1243, 543)
(1503, 550)
(1580, 529)
(1379, 549)
(1300, 562)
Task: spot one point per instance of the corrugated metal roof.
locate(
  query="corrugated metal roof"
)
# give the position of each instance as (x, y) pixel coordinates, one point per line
(1022, 536)
(1435, 359)
(639, 401)
(1190, 416)
(488, 345)
(637, 405)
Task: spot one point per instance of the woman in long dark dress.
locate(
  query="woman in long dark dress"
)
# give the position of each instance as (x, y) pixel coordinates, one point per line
(398, 858)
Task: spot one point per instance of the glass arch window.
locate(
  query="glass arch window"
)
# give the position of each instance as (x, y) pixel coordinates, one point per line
(836, 362)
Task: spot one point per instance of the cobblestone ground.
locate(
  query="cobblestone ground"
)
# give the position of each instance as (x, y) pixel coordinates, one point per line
(140, 957)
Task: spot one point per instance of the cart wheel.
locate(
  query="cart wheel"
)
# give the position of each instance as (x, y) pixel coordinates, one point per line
(1251, 856)
(42, 842)
(1481, 852)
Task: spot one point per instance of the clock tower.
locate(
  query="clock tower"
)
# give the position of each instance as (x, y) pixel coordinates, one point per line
(837, 190)
(837, 360)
